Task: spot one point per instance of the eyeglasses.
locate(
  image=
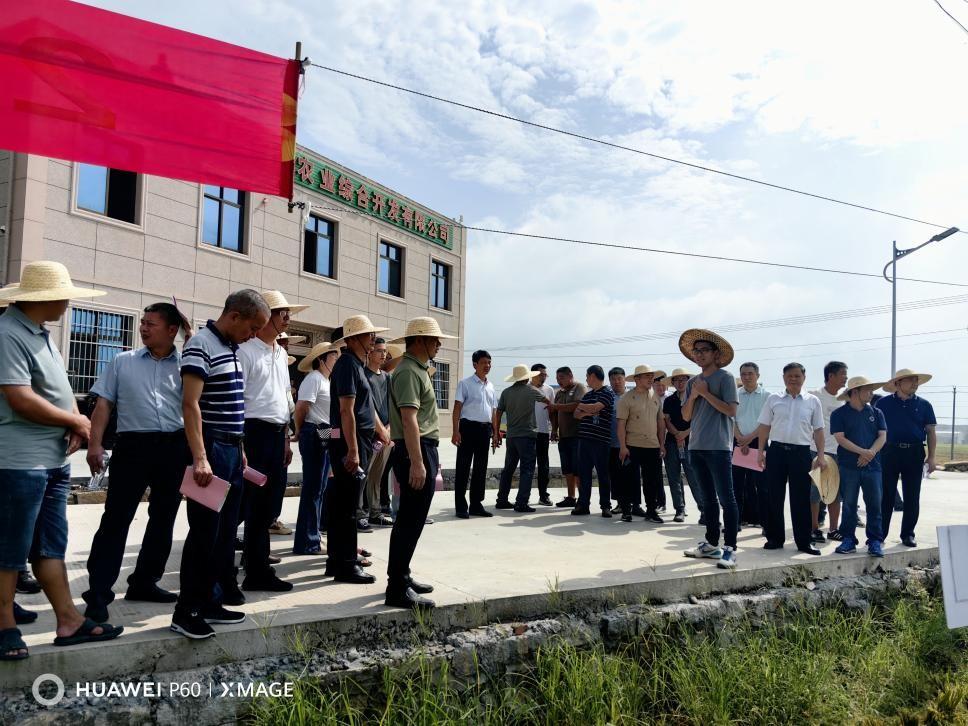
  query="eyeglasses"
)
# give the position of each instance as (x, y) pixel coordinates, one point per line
(284, 313)
(702, 350)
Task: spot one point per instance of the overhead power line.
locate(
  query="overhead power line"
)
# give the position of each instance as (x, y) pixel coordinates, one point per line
(674, 253)
(642, 152)
(953, 18)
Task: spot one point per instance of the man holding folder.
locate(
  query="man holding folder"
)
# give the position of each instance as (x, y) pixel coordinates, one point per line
(751, 495)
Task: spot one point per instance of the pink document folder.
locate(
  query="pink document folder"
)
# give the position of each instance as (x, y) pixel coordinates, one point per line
(213, 496)
(747, 461)
(254, 477)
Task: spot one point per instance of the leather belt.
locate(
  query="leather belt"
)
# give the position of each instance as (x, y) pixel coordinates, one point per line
(226, 437)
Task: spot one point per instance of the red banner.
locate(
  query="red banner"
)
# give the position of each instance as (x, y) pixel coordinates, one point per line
(90, 85)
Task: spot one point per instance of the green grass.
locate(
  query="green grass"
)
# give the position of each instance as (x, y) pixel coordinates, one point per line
(897, 664)
(943, 453)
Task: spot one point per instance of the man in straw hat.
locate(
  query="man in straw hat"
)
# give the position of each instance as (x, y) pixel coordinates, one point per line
(355, 427)
(709, 406)
(861, 432)
(791, 421)
(313, 432)
(677, 446)
(910, 422)
(518, 403)
(145, 388)
(213, 406)
(267, 392)
(641, 436)
(474, 405)
(415, 430)
(40, 426)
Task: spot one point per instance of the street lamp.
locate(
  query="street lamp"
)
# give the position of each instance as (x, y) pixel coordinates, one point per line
(898, 254)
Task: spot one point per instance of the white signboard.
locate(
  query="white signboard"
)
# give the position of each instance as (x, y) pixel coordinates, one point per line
(953, 551)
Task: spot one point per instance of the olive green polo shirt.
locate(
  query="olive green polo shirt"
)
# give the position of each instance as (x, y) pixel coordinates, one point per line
(517, 402)
(28, 357)
(411, 387)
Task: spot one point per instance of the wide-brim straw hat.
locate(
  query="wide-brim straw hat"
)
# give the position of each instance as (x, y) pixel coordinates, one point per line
(423, 328)
(396, 351)
(290, 359)
(660, 375)
(277, 301)
(45, 281)
(858, 382)
(891, 385)
(642, 370)
(521, 372)
(358, 325)
(689, 338)
(306, 364)
(291, 338)
(676, 372)
(827, 480)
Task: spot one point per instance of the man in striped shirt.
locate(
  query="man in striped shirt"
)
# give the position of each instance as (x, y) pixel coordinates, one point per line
(213, 407)
(594, 414)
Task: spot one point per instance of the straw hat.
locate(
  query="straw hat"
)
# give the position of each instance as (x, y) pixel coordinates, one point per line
(291, 338)
(45, 282)
(643, 370)
(306, 364)
(277, 301)
(422, 327)
(659, 375)
(891, 385)
(676, 372)
(396, 351)
(858, 382)
(290, 359)
(521, 372)
(689, 338)
(827, 480)
(358, 325)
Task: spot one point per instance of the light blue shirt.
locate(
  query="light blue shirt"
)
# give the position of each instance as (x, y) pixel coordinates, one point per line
(749, 408)
(28, 357)
(477, 399)
(146, 391)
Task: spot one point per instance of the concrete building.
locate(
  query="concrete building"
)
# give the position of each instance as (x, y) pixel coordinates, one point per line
(350, 246)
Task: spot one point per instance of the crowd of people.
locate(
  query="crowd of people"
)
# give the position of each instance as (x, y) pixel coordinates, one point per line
(216, 422)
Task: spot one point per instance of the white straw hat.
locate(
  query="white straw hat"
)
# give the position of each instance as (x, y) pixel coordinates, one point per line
(422, 327)
(45, 281)
(676, 372)
(660, 375)
(642, 370)
(358, 325)
(290, 360)
(858, 382)
(277, 301)
(891, 385)
(521, 372)
(306, 364)
(291, 338)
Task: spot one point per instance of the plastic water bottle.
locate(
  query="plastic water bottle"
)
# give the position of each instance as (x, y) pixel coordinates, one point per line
(96, 482)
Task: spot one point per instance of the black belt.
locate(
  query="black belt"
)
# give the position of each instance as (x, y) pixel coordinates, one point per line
(905, 445)
(226, 437)
(423, 440)
(277, 427)
(789, 447)
(133, 435)
(475, 423)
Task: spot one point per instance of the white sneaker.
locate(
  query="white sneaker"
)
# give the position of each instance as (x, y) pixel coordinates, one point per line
(705, 550)
(728, 559)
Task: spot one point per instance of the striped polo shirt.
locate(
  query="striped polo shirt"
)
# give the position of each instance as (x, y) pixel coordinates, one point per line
(212, 357)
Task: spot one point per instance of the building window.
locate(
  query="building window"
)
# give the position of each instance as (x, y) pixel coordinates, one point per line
(319, 244)
(442, 384)
(96, 338)
(110, 192)
(223, 214)
(439, 285)
(391, 269)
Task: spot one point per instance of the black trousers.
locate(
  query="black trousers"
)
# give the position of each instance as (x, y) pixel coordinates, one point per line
(751, 491)
(618, 475)
(208, 557)
(475, 439)
(265, 449)
(908, 464)
(412, 513)
(342, 498)
(140, 460)
(542, 444)
(788, 463)
(645, 469)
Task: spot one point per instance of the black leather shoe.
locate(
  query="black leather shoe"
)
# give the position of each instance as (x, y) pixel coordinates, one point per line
(151, 593)
(463, 515)
(408, 599)
(419, 587)
(809, 550)
(773, 546)
(355, 576)
(524, 508)
(545, 501)
(27, 585)
(503, 505)
(480, 512)
(607, 513)
(25, 617)
(909, 541)
(266, 583)
(637, 511)
(579, 511)
(97, 613)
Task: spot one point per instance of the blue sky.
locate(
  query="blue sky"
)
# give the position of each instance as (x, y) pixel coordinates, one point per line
(856, 100)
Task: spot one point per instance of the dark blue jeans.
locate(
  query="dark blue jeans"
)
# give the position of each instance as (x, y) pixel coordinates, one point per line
(315, 462)
(519, 449)
(33, 515)
(593, 455)
(714, 475)
(852, 481)
(675, 463)
(906, 463)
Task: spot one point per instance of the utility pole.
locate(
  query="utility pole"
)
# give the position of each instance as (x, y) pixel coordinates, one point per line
(954, 400)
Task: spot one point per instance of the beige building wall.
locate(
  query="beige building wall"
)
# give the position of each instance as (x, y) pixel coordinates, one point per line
(162, 255)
